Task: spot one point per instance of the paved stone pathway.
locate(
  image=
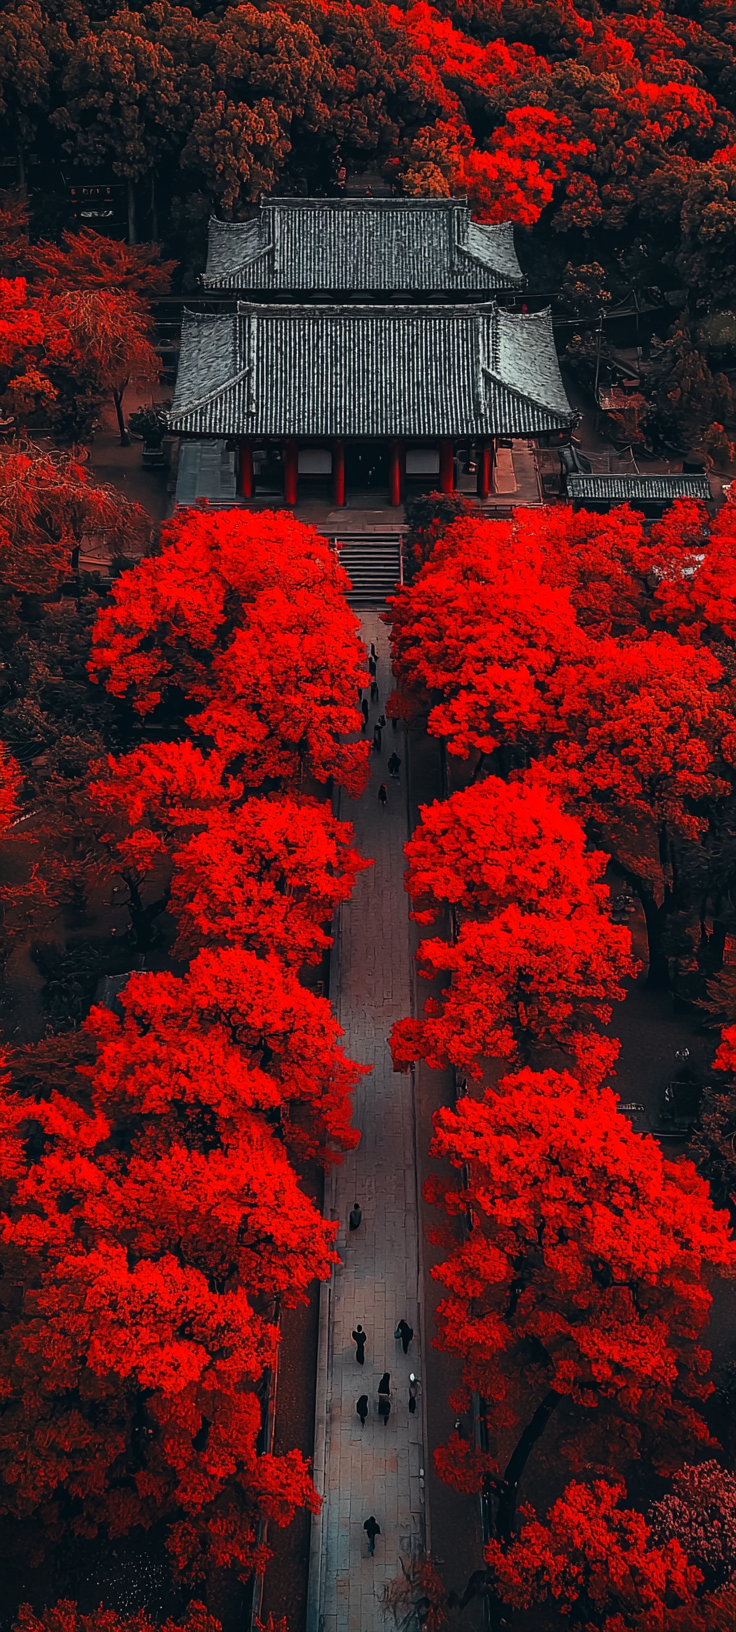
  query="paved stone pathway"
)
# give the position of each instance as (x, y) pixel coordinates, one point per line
(378, 1469)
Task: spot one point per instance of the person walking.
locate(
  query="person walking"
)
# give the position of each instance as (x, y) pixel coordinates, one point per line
(355, 1217)
(374, 691)
(382, 721)
(372, 1530)
(362, 1409)
(394, 766)
(372, 666)
(360, 1339)
(364, 709)
(413, 1391)
(405, 1332)
(377, 738)
(383, 795)
(384, 1409)
(373, 652)
(384, 1387)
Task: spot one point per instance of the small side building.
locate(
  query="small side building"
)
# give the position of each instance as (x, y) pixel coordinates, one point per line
(652, 494)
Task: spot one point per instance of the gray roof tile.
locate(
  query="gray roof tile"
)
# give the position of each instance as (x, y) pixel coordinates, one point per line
(408, 245)
(361, 371)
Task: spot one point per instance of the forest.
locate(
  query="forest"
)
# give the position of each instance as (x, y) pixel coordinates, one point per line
(174, 734)
(606, 134)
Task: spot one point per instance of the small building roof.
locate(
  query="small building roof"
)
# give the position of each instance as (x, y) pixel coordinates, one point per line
(366, 371)
(659, 488)
(407, 245)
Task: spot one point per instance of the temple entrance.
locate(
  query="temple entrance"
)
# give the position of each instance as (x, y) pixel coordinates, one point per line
(366, 466)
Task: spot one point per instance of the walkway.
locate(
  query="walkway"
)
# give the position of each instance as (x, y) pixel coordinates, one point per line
(377, 1470)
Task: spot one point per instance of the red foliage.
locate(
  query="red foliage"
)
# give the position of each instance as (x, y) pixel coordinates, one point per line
(87, 260)
(641, 727)
(583, 1274)
(549, 961)
(481, 630)
(48, 506)
(246, 614)
(266, 874)
(236, 1032)
(154, 1229)
(65, 1617)
(521, 983)
(592, 1549)
(10, 777)
(499, 843)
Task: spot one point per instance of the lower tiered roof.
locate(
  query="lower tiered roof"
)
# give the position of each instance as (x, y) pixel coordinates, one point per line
(367, 371)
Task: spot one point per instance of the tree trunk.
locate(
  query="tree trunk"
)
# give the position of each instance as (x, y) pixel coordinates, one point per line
(132, 236)
(517, 1462)
(658, 977)
(117, 398)
(154, 216)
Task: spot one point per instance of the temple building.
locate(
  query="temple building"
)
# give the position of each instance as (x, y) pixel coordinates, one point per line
(368, 349)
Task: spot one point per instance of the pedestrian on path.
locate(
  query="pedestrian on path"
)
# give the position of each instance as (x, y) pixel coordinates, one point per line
(360, 1339)
(372, 665)
(377, 738)
(364, 707)
(405, 1332)
(373, 653)
(384, 1409)
(384, 1387)
(372, 1530)
(383, 795)
(414, 1386)
(355, 1217)
(374, 691)
(394, 766)
(362, 1409)
(381, 721)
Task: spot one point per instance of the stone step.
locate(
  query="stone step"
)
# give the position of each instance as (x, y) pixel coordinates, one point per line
(372, 562)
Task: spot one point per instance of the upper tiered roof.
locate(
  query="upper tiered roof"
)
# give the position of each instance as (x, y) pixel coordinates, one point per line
(369, 371)
(410, 246)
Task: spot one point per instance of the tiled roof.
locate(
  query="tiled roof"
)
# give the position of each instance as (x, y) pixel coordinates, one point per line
(360, 371)
(407, 245)
(629, 489)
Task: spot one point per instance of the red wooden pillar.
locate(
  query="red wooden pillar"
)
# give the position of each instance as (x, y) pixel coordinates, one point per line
(338, 470)
(447, 466)
(244, 457)
(291, 470)
(395, 471)
(485, 469)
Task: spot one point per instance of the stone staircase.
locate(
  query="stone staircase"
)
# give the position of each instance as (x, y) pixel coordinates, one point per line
(372, 561)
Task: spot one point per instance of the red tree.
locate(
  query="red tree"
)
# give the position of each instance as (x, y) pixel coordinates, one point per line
(596, 1561)
(547, 964)
(10, 777)
(48, 506)
(524, 982)
(478, 635)
(265, 874)
(65, 1617)
(152, 1233)
(582, 1277)
(497, 843)
(87, 260)
(246, 615)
